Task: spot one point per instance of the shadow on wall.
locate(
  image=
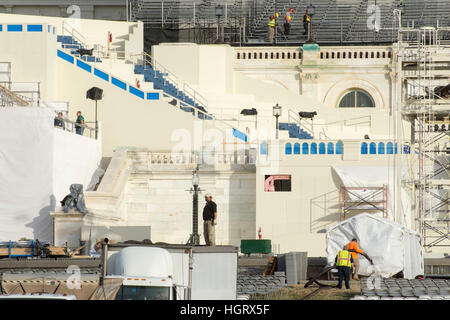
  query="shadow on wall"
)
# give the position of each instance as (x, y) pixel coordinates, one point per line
(325, 208)
(42, 225)
(242, 210)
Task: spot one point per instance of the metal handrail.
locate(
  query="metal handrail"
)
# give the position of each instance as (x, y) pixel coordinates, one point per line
(346, 120)
(72, 31)
(302, 124)
(147, 59)
(70, 125)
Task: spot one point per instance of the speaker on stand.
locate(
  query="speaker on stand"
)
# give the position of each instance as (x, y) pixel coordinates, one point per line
(95, 94)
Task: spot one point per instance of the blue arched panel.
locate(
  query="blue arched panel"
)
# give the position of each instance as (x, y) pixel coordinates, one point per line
(330, 148)
(373, 148)
(363, 148)
(380, 148)
(313, 148)
(288, 148)
(321, 148)
(296, 148)
(339, 147)
(389, 148)
(305, 148)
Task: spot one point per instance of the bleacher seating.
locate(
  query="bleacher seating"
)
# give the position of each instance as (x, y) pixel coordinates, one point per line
(160, 82)
(335, 21)
(68, 42)
(294, 130)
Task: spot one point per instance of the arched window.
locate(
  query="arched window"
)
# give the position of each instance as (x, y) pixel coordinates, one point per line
(381, 148)
(339, 147)
(373, 148)
(263, 148)
(305, 148)
(296, 148)
(313, 148)
(330, 148)
(288, 148)
(389, 148)
(356, 98)
(363, 148)
(321, 148)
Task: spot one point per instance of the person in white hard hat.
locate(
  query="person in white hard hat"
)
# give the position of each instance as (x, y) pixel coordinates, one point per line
(209, 220)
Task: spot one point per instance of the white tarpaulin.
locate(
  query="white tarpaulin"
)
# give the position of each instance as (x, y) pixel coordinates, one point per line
(38, 163)
(392, 247)
(26, 182)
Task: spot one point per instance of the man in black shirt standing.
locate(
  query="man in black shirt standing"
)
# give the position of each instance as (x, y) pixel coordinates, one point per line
(209, 220)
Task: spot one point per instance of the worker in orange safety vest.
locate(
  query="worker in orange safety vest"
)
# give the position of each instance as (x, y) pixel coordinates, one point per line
(353, 247)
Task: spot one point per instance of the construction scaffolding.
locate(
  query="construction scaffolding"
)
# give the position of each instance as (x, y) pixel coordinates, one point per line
(355, 200)
(423, 81)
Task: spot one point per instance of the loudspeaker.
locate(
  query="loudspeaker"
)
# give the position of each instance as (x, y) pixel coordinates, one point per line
(94, 93)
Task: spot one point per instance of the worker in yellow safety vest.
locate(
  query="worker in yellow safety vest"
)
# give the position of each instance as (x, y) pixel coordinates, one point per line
(343, 262)
(306, 22)
(271, 24)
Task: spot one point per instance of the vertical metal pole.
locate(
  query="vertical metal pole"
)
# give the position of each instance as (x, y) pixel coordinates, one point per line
(96, 123)
(191, 262)
(276, 127)
(195, 217)
(126, 6)
(105, 257)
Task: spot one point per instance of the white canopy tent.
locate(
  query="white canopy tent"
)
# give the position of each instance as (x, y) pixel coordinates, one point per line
(391, 246)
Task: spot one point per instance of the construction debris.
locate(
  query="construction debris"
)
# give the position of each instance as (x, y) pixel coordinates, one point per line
(31, 248)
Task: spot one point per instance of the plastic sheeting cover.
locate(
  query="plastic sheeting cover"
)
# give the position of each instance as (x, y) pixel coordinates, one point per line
(392, 247)
(26, 183)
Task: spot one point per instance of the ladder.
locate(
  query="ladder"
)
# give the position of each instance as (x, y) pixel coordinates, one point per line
(271, 266)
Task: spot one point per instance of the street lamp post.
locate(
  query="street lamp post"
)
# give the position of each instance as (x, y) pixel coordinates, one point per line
(219, 13)
(194, 239)
(311, 10)
(276, 114)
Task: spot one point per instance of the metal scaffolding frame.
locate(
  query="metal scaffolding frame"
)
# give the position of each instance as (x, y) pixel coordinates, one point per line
(423, 69)
(374, 200)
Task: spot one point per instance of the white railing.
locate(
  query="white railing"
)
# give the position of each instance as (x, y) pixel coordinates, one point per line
(242, 156)
(267, 53)
(340, 53)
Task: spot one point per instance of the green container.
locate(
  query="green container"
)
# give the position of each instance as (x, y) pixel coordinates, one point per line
(256, 246)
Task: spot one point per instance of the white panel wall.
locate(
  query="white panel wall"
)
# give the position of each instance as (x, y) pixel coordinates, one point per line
(37, 165)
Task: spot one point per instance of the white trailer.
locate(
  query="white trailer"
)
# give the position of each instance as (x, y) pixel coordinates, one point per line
(173, 272)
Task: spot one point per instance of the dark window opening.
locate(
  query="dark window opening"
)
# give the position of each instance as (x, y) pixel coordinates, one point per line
(277, 183)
